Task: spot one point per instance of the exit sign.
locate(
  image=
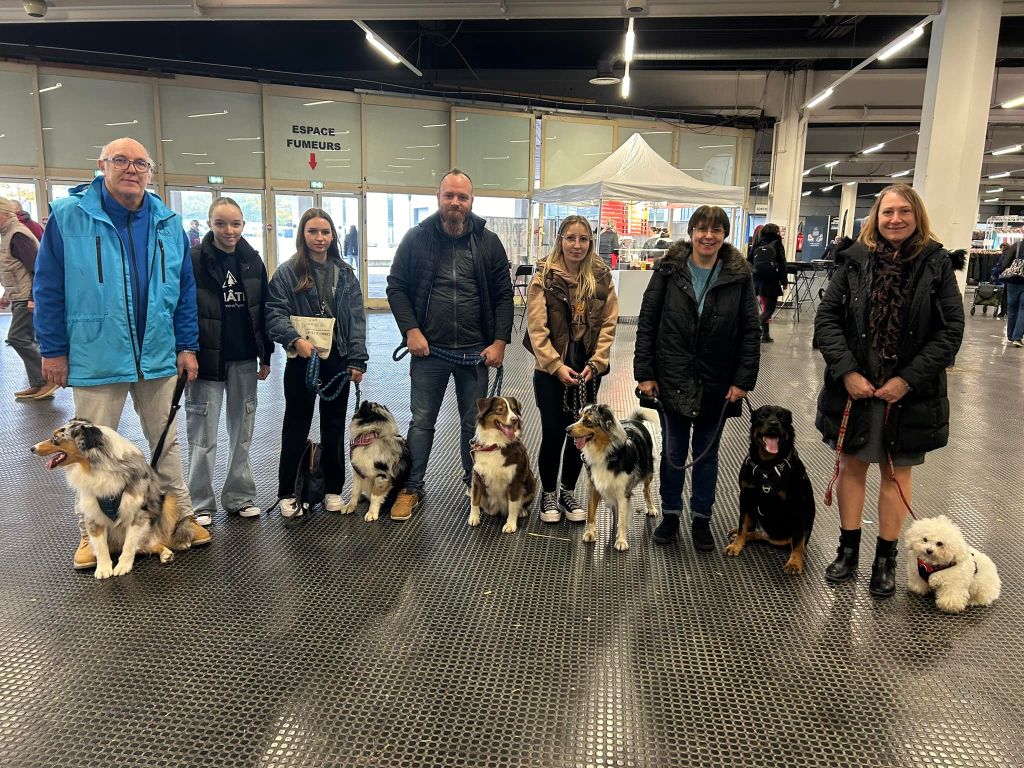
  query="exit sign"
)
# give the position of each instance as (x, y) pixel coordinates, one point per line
(316, 185)
(215, 179)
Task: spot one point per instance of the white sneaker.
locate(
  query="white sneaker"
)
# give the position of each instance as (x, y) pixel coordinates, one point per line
(333, 502)
(249, 511)
(204, 517)
(290, 507)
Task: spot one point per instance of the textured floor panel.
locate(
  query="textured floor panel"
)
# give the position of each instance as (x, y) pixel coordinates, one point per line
(329, 641)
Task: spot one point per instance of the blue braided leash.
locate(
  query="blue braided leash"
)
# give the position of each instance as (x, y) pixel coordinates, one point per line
(457, 358)
(313, 383)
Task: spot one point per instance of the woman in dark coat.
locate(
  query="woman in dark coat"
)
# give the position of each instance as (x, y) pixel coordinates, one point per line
(768, 259)
(889, 324)
(697, 350)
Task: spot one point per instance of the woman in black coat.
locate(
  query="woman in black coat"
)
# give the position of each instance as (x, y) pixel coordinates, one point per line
(889, 324)
(768, 259)
(697, 351)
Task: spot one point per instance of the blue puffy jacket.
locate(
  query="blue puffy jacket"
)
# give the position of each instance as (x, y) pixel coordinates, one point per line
(115, 322)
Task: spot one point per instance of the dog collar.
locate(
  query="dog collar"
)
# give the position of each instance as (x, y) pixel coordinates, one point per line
(110, 505)
(364, 439)
(924, 570)
(475, 446)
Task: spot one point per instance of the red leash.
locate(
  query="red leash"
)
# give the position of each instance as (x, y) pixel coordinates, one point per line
(839, 451)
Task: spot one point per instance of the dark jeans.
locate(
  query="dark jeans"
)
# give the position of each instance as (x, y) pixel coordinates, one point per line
(1014, 311)
(704, 475)
(429, 379)
(298, 418)
(555, 444)
(768, 304)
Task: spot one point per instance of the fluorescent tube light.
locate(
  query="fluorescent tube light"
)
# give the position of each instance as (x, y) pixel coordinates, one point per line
(991, 200)
(714, 146)
(436, 125)
(317, 103)
(829, 188)
(245, 138)
(875, 148)
(1008, 150)
(819, 98)
(805, 194)
(386, 50)
(993, 191)
(627, 51)
(1011, 104)
(423, 146)
(210, 114)
(898, 175)
(808, 172)
(763, 185)
(833, 164)
(850, 183)
(123, 122)
(53, 87)
(625, 83)
(1002, 175)
(901, 43)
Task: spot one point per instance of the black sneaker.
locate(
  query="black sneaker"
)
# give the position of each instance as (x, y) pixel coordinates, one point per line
(570, 507)
(667, 530)
(700, 532)
(549, 511)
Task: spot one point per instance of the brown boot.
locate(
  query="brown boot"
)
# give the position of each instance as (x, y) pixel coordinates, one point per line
(200, 535)
(84, 556)
(406, 503)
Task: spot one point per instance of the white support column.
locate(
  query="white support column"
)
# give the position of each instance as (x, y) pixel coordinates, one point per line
(788, 145)
(847, 209)
(957, 94)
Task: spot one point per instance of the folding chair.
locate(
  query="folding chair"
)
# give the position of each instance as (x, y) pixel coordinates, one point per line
(520, 282)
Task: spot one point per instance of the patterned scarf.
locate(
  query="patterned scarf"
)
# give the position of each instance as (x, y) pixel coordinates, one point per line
(888, 297)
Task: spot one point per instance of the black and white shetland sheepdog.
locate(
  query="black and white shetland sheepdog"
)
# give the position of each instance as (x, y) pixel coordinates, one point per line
(379, 458)
(619, 456)
(107, 470)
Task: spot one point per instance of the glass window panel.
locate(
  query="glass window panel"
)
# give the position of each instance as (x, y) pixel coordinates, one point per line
(388, 217)
(211, 133)
(509, 219)
(407, 147)
(84, 115)
(288, 209)
(344, 212)
(494, 150)
(658, 138)
(327, 130)
(251, 204)
(17, 124)
(707, 156)
(193, 205)
(22, 191)
(573, 148)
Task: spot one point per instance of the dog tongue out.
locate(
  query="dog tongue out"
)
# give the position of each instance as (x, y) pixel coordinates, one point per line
(507, 431)
(771, 444)
(54, 460)
(580, 442)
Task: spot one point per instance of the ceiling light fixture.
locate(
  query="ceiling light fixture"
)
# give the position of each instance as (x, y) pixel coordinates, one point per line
(245, 138)
(210, 114)
(627, 50)
(715, 146)
(423, 146)
(410, 158)
(53, 87)
(875, 148)
(1008, 150)
(819, 98)
(1011, 104)
(829, 188)
(1002, 175)
(808, 172)
(625, 83)
(993, 191)
(833, 164)
(166, 139)
(436, 125)
(805, 194)
(898, 175)
(316, 103)
(384, 49)
(992, 200)
(123, 122)
(849, 183)
(763, 185)
(900, 43)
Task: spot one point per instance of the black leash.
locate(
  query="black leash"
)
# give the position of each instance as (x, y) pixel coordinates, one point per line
(314, 384)
(647, 401)
(457, 359)
(179, 388)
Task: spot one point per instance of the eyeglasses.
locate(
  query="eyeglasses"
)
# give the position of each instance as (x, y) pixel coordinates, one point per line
(712, 230)
(121, 163)
(572, 240)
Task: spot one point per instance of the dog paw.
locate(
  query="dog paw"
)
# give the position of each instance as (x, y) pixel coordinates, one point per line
(590, 534)
(104, 570)
(123, 568)
(371, 515)
(509, 527)
(474, 519)
(349, 508)
(793, 568)
(621, 545)
(166, 555)
(947, 604)
(733, 551)
(524, 512)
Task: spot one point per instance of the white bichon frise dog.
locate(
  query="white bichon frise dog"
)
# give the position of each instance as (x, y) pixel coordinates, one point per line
(943, 563)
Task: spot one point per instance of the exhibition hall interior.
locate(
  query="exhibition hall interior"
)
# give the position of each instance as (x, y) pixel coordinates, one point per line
(325, 639)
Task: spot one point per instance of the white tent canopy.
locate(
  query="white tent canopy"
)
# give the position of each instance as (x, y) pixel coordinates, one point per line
(635, 172)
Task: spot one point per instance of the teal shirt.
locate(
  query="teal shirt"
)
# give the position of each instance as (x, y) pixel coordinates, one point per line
(702, 281)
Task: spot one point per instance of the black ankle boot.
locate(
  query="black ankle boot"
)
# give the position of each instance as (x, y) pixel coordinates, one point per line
(700, 533)
(883, 570)
(667, 530)
(765, 335)
(844, 567)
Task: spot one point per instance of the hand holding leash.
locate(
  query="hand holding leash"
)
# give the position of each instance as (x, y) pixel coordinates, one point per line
(857, 386)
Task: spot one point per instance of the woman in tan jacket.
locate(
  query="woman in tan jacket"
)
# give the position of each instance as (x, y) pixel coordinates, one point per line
(571, 311)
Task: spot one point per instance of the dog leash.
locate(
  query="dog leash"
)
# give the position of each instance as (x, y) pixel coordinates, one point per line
(839, 450)
(654, 403)
(179, 388)
(457, 358)
(314, 384)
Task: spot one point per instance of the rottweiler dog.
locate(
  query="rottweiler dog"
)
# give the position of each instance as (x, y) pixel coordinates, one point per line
(776, 498)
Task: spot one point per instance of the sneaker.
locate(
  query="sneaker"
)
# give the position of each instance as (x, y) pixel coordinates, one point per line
(84, 557)
(45, 392)
(567, 503)
(204, 516)
(700, 533)
(333, 502)
(408, 501)
(290, 507)
(249, 511)
(668, 529)
(549, 511)
(1015, 342)
(200, 535)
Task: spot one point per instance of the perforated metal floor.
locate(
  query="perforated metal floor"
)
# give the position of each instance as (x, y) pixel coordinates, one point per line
(333, 642)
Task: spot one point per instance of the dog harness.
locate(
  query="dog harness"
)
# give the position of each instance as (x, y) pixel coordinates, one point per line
(924, 570)
(110, 505)
(765, 478)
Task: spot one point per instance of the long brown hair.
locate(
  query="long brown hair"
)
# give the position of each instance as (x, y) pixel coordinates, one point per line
(302, 257)
(870, 236)
(587, 283)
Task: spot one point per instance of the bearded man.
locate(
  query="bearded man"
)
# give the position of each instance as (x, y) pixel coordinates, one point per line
(451, 295)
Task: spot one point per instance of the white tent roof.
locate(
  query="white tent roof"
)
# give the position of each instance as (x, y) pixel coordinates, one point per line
(635, 172)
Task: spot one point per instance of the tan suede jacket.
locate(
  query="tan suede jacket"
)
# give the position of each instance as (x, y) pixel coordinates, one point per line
(549, 299)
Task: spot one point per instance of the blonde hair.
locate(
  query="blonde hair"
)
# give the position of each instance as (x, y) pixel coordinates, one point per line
(870, 236)
(587, 283)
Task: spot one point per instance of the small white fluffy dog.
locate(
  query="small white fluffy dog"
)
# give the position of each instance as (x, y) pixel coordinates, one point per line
(943, 563)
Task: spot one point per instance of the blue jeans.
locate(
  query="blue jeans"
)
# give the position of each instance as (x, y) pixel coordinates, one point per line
(703, 476)
(202, 419)
(1014, 311)
(429, 380)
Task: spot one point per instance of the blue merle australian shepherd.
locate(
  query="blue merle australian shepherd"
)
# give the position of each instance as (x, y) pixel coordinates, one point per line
(619, 456)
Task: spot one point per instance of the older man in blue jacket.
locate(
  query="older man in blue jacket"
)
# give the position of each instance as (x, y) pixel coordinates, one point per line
(116, 307)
